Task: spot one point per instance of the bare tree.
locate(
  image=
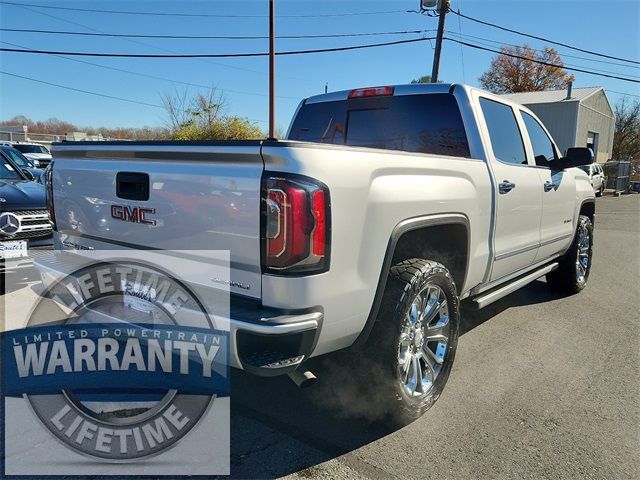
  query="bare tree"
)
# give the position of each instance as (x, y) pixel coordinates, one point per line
(207, 107)
(201, 116)
(626, 139)
(176, 106)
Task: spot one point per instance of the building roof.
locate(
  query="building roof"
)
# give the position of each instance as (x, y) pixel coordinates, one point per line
(552, 96)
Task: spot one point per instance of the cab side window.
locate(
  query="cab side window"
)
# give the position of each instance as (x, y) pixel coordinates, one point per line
(543, 150)
(506, 140)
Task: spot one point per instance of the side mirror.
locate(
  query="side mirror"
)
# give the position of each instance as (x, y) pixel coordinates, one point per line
(28, 174)
(575, 157)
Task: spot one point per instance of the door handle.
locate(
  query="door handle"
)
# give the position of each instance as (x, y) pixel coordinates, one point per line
(506, 186)
(548, 186)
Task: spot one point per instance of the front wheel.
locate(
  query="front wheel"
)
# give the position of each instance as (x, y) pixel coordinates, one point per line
(415, 337)
(575, 265)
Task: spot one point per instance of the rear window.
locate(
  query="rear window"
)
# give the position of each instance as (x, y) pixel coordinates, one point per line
(413, 123)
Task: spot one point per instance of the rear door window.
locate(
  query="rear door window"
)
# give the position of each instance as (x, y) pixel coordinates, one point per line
(428, 123)
(506, 140)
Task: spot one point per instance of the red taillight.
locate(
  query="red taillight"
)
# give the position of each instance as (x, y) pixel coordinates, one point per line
(49, 194)
(318, 207)
(371, 92)
(295, 237)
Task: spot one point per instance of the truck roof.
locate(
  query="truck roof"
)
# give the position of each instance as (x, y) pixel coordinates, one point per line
(408, 89)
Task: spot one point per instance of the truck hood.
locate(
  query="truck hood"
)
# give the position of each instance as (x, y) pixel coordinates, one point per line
(22, 195)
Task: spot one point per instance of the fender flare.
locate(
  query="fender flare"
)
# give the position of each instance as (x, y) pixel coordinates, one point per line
(400, 229)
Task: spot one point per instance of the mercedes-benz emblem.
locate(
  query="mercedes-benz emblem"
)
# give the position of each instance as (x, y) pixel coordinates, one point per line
(9, 224)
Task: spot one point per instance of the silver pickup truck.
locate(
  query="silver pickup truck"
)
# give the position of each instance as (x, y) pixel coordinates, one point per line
(383, 209)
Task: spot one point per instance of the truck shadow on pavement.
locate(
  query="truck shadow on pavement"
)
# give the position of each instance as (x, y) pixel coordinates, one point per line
(278, 429)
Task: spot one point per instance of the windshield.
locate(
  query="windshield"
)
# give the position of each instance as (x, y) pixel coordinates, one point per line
(17, 157)
(31, 148)
(584, 168)
(7, 171)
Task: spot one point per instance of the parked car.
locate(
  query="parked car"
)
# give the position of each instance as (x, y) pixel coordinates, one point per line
(23, 162)
(364, 229)
(39, 154)
(24, 220)
(596, 176)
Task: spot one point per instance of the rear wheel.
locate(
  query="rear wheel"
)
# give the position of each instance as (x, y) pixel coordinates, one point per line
(415, 337)
(575, 265)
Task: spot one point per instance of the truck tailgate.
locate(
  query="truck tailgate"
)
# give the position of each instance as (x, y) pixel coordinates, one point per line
(170, 196)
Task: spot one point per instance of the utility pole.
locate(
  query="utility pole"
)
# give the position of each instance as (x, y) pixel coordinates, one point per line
(444, 8)
(272, 72)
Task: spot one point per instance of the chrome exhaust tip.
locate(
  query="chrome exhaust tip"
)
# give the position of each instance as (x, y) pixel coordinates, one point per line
(302, 378)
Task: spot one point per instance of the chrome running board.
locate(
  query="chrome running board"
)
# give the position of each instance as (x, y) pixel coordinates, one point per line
(485, 299)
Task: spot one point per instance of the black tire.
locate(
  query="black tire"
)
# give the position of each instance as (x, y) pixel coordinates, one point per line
(569, 277)
(407, 280)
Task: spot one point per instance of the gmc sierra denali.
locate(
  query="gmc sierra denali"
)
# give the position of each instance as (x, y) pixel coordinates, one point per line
(382, 210)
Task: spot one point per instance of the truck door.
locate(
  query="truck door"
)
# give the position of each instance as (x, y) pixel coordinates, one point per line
(517, 190)
(558, 192)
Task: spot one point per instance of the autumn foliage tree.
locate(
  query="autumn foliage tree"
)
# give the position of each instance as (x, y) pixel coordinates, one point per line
(523, 69)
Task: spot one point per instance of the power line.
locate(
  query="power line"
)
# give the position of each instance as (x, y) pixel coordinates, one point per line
(302, 52)
(563, 55)
(623, 93)
(590, 52)
(209, 61)
(581, 70)
(564, 65)
(112, 97)
(211, 37)
(213, 55)
(461, 49)
(155, 77)
(206, 15)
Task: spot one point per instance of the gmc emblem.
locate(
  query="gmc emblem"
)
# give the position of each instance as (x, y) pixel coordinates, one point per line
(132, 214)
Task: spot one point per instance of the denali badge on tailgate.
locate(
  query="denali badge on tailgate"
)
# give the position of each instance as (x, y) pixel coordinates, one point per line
(132, 214)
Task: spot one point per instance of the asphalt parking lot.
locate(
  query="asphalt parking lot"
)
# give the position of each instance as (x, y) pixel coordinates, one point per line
(543, 387)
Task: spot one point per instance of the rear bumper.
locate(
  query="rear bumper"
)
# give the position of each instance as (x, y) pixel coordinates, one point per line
(268, 342)
(262, 341)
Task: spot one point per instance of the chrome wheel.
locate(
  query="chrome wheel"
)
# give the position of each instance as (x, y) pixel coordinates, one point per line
(583, 256)
(423, 341)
